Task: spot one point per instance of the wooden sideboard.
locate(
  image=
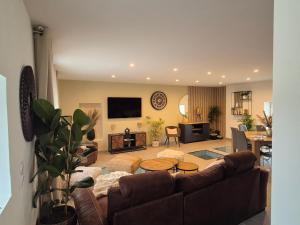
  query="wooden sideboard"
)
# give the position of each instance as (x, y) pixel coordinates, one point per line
(118, 143)
(192, 132)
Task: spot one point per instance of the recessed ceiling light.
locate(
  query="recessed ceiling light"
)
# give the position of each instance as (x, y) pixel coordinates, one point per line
(248, 78)
(148, 78)
(223, 76)
(220, 83)
(175, 69)
(256, 71)
(197, 81)
(177, 80)
(208, 73)
(131, 65)
(113, 76)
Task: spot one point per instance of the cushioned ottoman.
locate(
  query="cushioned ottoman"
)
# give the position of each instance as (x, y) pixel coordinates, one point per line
(124, 162)
(170, 153)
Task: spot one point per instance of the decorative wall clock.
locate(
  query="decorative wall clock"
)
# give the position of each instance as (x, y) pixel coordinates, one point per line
(158, 100)
(27, 96)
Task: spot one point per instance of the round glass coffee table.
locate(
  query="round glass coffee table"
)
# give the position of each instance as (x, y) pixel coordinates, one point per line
(159, 164)
(187, 167)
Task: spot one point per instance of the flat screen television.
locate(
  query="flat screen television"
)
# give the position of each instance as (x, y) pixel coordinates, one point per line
(124, 107)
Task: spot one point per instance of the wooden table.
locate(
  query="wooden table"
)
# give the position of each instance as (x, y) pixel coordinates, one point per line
(257, 142)
(157, 164)
(187, 166)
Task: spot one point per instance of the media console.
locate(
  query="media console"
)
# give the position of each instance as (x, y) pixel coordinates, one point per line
(121, 142)
(192, 132)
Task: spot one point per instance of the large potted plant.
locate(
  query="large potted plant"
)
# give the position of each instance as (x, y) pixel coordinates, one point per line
(155, 130)
(57, 141)
(213, 117)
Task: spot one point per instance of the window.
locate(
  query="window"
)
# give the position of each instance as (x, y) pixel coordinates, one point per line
(5, 187)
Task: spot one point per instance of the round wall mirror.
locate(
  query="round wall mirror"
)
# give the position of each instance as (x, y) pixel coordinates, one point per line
(184, 105)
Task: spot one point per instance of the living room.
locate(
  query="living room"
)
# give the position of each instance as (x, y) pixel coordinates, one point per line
(137, 112)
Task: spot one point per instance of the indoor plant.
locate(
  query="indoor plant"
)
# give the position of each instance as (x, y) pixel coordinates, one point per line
(213, 116)
(94, 116)
(155, 130)
(57, 141)
(247, 120)
(267, 122)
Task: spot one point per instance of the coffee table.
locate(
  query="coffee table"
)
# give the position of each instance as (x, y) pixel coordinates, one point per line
(157, 164)
(187, 166)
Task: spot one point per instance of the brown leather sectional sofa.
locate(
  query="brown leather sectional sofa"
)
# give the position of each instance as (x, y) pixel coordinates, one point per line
(224, 194)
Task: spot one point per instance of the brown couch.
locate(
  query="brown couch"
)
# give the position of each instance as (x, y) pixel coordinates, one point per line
(224, 194)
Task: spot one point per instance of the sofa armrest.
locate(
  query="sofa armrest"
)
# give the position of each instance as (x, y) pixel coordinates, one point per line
(87, 208)
(264, 177)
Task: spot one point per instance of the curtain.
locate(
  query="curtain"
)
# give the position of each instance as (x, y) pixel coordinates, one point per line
(46, 78)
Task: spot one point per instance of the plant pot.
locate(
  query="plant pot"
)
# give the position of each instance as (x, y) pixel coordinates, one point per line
(59, 218)
(155, 143)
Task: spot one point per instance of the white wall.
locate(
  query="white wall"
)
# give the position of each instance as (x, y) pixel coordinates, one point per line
(16, 50)
(72, 93)
(286, 150)
(261, 92)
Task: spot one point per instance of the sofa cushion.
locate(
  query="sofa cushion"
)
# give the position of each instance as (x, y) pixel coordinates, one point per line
(239, 162)
(145, 187)
(188, 183)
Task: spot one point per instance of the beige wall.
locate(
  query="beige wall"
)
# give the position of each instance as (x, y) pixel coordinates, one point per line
(16, 50)
(74, 92)
(261, 92)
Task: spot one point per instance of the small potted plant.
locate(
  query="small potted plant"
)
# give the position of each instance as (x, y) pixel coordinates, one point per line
(57, 141)
(156, 130)
(267, 122)
(247, 120)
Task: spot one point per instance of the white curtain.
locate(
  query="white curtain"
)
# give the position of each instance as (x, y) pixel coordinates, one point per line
(46, 78)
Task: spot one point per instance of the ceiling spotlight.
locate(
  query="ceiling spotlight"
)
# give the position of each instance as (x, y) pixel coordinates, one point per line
(208, 73)
(248, 78)
(256, 71)
(131, 65)
(177, 80)
(223, 76)
(175, 69)
(220, 83)
(113, 76)
(197, 81)
(148, 78)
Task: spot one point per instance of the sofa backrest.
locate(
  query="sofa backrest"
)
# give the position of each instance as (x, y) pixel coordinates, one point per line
(139, 189)
(188, 183)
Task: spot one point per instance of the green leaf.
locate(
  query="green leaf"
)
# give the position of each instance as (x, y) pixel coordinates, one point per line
(54, 172)
(76, 133)
(85, 183)
(59, 162)
(46, 139)
(80, 118)
(55, 119)
(43, 109)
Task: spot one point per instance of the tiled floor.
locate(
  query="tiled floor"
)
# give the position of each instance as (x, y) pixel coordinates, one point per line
(260, 219)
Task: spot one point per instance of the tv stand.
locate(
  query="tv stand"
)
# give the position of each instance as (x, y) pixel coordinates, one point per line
(119, 142)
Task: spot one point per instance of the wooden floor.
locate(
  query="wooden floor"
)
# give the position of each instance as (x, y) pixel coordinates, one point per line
(260, 219)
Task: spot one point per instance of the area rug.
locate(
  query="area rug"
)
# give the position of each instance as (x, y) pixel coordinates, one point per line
(227, 149)
(206, 154)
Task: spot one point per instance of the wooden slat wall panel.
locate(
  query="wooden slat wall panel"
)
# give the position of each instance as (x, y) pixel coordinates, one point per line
(204, 98)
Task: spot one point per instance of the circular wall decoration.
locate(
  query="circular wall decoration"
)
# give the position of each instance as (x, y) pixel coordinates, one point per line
(27, 95)
(158, 100)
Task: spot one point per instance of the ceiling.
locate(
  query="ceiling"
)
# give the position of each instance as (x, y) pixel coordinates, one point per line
(95, 39)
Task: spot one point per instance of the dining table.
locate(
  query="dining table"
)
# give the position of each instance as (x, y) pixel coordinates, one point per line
(257, 140)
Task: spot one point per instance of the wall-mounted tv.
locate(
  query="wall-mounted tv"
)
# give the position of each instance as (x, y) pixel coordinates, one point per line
(124, 107)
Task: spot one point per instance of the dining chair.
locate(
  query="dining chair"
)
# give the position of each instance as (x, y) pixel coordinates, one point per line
(243, 127)
(260, 128)
(172, 131)
(242, 142)
(234, 137)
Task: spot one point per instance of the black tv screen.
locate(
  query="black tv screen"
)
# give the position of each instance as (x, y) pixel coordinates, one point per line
(124, 107)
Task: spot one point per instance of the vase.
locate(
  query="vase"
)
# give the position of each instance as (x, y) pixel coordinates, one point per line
(269, 131)
(155, 143)
(58, 217)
